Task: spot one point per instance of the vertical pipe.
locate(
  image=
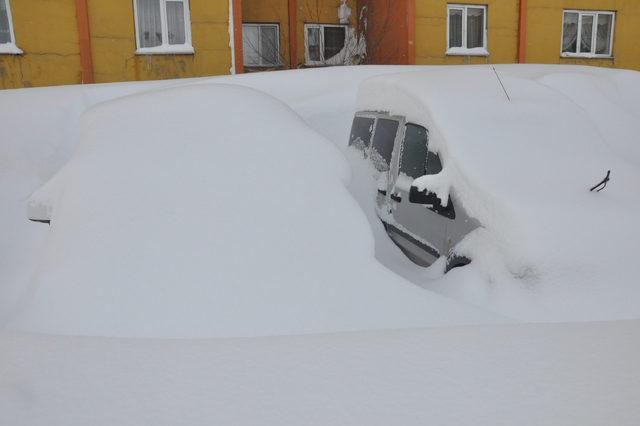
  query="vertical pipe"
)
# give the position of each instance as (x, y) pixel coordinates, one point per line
(82, 21)
(293, 34)
(522, 33)
(237, 36)
(411, 31)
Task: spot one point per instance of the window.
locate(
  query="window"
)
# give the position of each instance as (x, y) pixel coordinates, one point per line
(414, 151)
(466, 30)
(361, 132)
(261, 45)
(323, 42)
(163, 26)
(7, 40)
(587, 34)
(383, 140)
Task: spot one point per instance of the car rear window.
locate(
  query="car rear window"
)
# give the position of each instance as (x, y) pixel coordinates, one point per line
(383, 141)
(361, 132)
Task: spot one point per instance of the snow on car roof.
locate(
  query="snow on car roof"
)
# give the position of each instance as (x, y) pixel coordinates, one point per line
(208, 211)
(521, 147)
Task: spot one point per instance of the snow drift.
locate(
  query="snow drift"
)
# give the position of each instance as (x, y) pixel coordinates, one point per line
(195, 211)
(521, 146)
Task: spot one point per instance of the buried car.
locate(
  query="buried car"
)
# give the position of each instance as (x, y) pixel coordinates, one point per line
(494, 166)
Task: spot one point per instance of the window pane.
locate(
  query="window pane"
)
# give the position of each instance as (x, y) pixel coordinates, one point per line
(149, 23)
(455, 28)
(434, 165)
(570, 34)
(175, 22)
(475, 27)
(313, 43)
(586, 33)
(383, 141)
(361, 131)
(414, 151)
(334, 38)
(603, 37)
(269, 45)
(5, 33)
(251, 44)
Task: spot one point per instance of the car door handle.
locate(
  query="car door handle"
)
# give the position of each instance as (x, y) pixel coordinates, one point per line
(396, 198)
(382, 192)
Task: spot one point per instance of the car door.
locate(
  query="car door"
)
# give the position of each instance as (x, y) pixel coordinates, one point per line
(421, 228)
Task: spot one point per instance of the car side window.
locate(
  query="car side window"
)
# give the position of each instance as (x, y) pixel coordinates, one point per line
(361, 132)
(413, 162)
(383, 140)
(434, 165)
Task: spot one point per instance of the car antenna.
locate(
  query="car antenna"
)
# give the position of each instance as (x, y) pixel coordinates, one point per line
(603, 183)
(502, 85)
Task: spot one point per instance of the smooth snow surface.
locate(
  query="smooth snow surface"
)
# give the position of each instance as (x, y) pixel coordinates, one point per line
(552, 374)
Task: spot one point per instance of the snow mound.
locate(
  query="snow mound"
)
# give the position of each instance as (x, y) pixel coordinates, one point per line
(212, 210)
(521, 146)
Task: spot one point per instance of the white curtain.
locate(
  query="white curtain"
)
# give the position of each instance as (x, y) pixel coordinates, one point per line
(149, 23)
(475, 27)
(5, 33)
(313, 43)
(570, 33)
(603, 37)
(455, 28)
(250, 44)
(175, 22)
(586, 33)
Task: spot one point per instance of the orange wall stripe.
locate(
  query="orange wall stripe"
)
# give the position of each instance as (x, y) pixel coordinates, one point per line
(237, 36)
(411, 32)
(522, 33)
(82, 20)
(293, 34)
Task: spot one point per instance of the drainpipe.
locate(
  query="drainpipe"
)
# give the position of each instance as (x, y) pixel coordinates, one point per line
(522, 33)
(293, 34)
(82, 20)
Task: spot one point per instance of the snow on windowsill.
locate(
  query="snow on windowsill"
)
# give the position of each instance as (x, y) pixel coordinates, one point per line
(461, 51)
(10, 49)
(179, 49)
(584, 56)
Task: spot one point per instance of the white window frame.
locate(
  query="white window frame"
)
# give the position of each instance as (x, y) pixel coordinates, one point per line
(594, 34)
(10, 48)
(165, 47)
(259, 25)
(464, 51)
(323, 60)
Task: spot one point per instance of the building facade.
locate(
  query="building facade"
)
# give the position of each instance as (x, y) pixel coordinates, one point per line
(51, 42)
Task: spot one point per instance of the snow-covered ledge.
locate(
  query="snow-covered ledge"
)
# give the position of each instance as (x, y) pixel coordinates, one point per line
(181, 49)
(10, 49)
(461, 51)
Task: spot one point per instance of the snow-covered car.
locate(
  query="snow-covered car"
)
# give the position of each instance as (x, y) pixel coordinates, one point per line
(494, 165)
(424, 227)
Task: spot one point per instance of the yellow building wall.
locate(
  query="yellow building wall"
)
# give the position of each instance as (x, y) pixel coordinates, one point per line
(308, 11)
(431, 32)
(544, 33)
(113, 43)
(46, 31)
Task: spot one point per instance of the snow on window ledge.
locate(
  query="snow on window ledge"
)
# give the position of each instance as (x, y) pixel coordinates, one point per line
(461, 51)
(585, 56)
(10, 49)
(179, 49)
